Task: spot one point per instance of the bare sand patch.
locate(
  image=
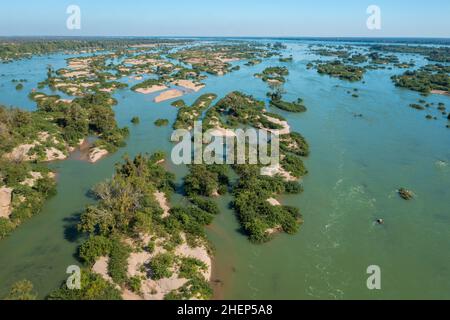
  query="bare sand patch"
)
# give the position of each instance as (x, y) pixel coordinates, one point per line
(169, 94)
(151, 89)
(162, 201)
(441, 92)
(157, 289)
(221, 132)
(200, 253)
(76, 74)
(286, 128)
(274, 230)
(188, 84)
(20, 153)
(31, 181)
(95, 154)
(274, 170)
(52, 154)
(101, 267)
(274, 202)
(64, 100)
(5, 202)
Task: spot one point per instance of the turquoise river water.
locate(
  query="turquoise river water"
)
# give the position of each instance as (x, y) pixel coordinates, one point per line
(356, 166)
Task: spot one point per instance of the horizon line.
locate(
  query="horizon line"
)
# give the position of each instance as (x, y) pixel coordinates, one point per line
(222, 36)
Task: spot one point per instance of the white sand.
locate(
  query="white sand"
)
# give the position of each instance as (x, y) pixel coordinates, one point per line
(188, 84)
(221, 132)
(274, 170)
(64, 100)
(76, 74)
(151, 89)
(52, 154)
(109, 90)
(20, 153)
(5, 202)
(274, 202)
(95, 154)
(286, 128)
(157, 289)
(35, 176)
(199, 253)
(162, 201)
(277, 229)
(441, 92)
(101, 267)
(169, 94)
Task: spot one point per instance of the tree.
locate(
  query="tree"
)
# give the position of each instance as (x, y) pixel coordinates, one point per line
(22, 290)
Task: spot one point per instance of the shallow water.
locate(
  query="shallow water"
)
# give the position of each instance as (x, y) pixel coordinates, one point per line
(356, 166)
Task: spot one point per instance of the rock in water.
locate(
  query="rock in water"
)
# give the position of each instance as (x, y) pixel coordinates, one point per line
(405, 194)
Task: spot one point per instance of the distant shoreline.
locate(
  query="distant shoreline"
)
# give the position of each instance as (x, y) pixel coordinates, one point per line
(414, 40)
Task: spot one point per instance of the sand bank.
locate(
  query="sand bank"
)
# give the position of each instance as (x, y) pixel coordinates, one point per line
(5, 202)
(169, 94)
(273, 202)
(151, 89)
(274, 170)
(441, 92)
(188, 84)
(95, 154)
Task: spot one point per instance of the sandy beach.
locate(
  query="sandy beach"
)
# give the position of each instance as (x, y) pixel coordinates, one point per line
(169, 94)
(441, 92)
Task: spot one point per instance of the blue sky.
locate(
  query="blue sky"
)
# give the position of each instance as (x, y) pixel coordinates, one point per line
(343, 18)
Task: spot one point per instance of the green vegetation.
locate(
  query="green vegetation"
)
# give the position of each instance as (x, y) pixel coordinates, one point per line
(215, 59)
(339, 52)
(94, 248)
(22, 290)
(118, 261)
(296, 106)
(276, 101)
(19, 86)
(135, 120)
(127, 209)
(274, 75)
(438, 54)
(93, 287)
(426, 79)
(357, 59)
(253, 62)
(188, 115)
(30, 182)
(196, 287)
(178, 103)
(260, 219)
(417, 106)
(377, 58)
(161, 122)
(339, 70)
(206, 180)
(19, 48)
(287, 59)
(160, 266)
(295, 143)
(147, 84)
